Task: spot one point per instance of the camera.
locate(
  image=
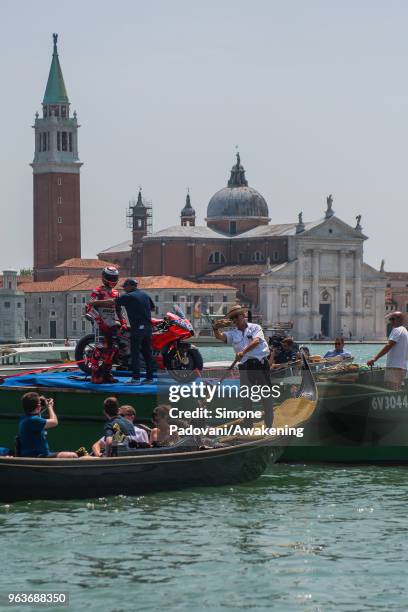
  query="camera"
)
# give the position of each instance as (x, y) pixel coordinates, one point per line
(43, 402)
(275, 341)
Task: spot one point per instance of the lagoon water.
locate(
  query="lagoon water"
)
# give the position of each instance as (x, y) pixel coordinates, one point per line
(299, 538)
(314, 538)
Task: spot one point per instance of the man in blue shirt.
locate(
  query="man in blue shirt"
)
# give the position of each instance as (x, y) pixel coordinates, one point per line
(32, 428)
(285, 355)
(139, 308)
(338, 350)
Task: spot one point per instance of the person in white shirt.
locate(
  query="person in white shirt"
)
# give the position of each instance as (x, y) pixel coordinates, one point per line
(396, 350)
(251, 351)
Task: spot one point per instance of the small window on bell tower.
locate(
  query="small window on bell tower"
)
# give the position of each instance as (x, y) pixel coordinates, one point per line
(63, 111)
(58, 141)
(64, 141)
(70, 141)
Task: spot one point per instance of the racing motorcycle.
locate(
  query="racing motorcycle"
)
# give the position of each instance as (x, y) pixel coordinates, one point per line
(170, 347)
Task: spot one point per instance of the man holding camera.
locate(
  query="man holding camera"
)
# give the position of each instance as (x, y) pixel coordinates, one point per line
(32, 436)
(251, 351)
(284, 355)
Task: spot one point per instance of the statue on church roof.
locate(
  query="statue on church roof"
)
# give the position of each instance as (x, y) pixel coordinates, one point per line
(300, 227)
(329, 210)
(382, 265)
(358, 224)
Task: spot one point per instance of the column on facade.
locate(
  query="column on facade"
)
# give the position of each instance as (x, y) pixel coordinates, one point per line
(315, 281)
(379, 321)
(273, 304)
(342, 284)
(357, 283)
(299, 281)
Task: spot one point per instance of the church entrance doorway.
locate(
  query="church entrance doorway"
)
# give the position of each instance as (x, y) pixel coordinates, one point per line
(53, 329)
(324, 310)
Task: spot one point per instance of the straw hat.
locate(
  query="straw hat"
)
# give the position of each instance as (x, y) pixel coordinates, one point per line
(236, 310)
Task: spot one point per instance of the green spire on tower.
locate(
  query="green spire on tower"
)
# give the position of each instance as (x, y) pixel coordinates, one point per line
(55, 92)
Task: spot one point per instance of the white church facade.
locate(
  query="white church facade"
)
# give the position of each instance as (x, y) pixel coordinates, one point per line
(325, 288)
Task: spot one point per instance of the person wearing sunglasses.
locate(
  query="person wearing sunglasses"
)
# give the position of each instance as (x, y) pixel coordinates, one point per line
(338, 350)
(396, 350)
(251, 351)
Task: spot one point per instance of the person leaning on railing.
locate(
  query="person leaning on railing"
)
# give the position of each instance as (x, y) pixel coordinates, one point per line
(251, 351)
(396, 350)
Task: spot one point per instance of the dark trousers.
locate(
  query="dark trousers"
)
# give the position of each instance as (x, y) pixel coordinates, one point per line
(141, 342)
(255, 372)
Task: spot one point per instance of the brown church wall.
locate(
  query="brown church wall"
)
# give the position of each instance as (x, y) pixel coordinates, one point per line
(274, 248)
(242, 225)
(48, 250)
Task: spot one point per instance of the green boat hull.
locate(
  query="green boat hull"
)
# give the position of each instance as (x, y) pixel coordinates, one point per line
(355, 421)
(80, 414)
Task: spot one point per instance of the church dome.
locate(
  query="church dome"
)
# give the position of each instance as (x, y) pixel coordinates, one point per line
(237, 199)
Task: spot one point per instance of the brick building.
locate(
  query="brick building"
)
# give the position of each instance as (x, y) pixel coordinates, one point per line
(56, 188)
(397, 292)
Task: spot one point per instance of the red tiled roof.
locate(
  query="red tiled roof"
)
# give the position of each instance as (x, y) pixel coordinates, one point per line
(173, 282)
(238, 270)
(75, 282)
(78, 262)
(62, 283)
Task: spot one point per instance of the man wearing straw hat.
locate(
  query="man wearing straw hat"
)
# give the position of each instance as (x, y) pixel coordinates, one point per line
(251, 353)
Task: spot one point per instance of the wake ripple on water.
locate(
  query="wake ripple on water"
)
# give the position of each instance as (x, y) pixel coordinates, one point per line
(309, 538)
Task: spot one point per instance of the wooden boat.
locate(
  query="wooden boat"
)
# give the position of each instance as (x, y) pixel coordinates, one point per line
(139, 472)
(357, 420)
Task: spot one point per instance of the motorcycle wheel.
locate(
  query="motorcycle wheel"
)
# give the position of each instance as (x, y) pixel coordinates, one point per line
(83, 352)
(185, 370)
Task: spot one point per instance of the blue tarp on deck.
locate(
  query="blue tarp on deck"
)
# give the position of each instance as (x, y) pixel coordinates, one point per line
(78, 380)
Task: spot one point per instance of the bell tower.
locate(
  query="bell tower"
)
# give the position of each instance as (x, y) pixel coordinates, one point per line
(56, 168)
(139, 218)
(188, 215)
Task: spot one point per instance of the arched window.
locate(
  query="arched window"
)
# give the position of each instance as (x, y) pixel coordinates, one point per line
(305, 298)
(257, 256)
(216, 257)
(348, 299)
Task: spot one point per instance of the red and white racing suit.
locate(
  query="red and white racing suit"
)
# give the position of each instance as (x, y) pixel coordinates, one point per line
(109, 321)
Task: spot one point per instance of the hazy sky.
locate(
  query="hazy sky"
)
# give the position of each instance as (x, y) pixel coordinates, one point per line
(314, 93)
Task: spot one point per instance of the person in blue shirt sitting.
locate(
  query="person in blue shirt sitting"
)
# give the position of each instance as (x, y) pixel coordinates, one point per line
(32, 436)
(287, 353)
(338, 350)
